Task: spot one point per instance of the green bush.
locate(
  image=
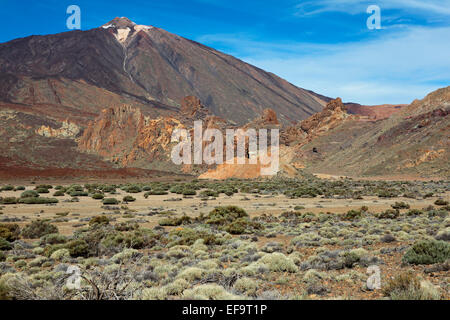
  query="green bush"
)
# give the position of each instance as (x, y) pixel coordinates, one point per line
(4, 245)
(78, 194)
(400, 205)
(39, 200)
(110, 201)
(388, 193)
(402, 283)
(175, 221)
(352, 215)
(9, 231)
(42, 190)
(9, 200)
(53, 238)
(99, 220)
(389, 214)
(224, 215)
(59, 193)
(188, 236)
(133, 189)
(155, 192)
(241, 225)
(129, 199)
(209, 193)
(189, 192)
(29, 194)
(441, 202)
(98, 196)
(7, 188)
(414, 212)
(427, 252)
(78, 248)
(38, 229)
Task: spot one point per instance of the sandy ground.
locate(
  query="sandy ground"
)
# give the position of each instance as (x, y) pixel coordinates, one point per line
(192, 206)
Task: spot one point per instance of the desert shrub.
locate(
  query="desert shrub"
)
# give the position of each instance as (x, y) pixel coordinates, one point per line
(189, 192)
(126, 255)
(59, 193)
(9, 231)
(126, 226)
(388, 193)
(278, 262)
(400, 205)
(175, 221)
(9, 200)
(350, 258)
(443, 235)
(192, 273)
(77, 248)
(352, 215)
(241, 225)
(38, 229)
(4, 245)
(441, 202)
(155, 192)
(29, 194)
(111, 240)
(224, 215)
(44, 186)
(7, 188)
(42, 190)
(19, 188)
(132, 189)
(414, 212)
(128, 199)
(99, 220)
(154, 293)
(39, 200)
(388, 238)
(305, 192)
(176, 287)
(60, 254)
(246, 286)
(209, 193)
(208, 292)
(427, 252)
(2, 258)
(78, 193)
(97, 196)
(110, 201)
(50, 249)
(53, 238)
(389, 214)
(407, 286)
(187, 237)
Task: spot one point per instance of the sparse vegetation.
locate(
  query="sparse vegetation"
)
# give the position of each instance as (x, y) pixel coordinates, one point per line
(286, 241)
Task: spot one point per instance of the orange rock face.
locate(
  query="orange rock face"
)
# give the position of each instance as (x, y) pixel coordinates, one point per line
(124, 135)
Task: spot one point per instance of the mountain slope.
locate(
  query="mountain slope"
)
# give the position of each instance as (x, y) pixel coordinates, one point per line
(414, 141)
(147, 67)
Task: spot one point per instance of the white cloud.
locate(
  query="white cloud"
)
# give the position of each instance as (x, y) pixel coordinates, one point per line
(424, 7)
(396, 68)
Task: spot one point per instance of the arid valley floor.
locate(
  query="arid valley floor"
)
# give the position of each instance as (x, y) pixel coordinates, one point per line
(304, 238)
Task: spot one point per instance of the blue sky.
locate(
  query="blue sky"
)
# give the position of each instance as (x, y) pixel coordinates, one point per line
(321, 45)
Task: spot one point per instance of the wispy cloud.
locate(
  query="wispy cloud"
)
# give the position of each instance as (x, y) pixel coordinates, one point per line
(396, 68)
(422, 7)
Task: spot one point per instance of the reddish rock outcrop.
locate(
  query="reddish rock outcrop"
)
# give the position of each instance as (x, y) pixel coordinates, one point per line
(125, 136)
